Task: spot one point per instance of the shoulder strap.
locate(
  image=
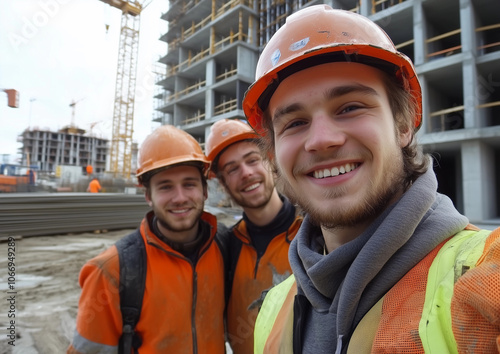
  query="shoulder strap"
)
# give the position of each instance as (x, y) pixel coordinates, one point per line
(230, 247)
(132, 256)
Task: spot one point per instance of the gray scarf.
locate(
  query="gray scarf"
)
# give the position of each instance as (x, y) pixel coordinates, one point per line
(343, 285)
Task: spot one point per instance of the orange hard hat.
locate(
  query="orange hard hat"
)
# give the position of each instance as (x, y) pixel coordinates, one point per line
(167, 146)
(225, 132)
(317, 35)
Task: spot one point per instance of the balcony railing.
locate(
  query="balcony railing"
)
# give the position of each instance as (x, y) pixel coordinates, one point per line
(226, 106)
(196, 118)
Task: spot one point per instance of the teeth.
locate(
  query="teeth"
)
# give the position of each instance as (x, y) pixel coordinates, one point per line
(252, 187)
(335, 171)
(179, 211)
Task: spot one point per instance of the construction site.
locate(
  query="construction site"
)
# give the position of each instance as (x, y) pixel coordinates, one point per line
(213, 49)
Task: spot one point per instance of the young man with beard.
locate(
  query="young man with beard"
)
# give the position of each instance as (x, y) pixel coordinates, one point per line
(382, 262)
(183, 300)
(258, 244)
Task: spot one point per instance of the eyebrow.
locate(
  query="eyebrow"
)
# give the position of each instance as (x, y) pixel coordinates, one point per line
(250, 153)
(185, 179)
(332, 93)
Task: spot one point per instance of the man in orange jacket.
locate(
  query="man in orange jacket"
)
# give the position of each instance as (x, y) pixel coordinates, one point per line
(94, 186)
(258, 244)
(183, 305)
(382, 262)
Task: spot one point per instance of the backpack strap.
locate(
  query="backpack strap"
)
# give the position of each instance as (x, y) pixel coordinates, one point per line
(230, 247)
(132, 257)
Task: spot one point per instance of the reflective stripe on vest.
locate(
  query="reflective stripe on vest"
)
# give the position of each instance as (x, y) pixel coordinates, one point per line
(457, 256)
(274, 325)
(280, 297)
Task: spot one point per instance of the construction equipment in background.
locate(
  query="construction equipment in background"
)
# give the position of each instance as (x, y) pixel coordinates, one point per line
(123, 112)
(12, 98)
(17, 179)
(72, 127)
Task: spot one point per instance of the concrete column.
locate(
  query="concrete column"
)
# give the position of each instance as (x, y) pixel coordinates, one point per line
(468, 42)
(471, 114)
(468, 27)
(478, 170)
(419, 33)
(210, 72)
(209, 92)
(246, 61)
(365, 7)
(425, 106)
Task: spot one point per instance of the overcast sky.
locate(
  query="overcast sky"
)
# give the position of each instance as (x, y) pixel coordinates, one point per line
(57, 51)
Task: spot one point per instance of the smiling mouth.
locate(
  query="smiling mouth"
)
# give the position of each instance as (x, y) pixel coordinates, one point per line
(335, 171)
(179, 211)
(251, 187)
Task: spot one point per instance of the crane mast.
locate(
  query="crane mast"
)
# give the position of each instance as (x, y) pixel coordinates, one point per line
(123, 110)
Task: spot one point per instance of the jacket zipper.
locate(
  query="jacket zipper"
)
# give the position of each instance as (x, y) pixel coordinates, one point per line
(193, 310)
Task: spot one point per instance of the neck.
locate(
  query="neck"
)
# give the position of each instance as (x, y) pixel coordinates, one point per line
(336, 237)
(339, 235)
(264, 215)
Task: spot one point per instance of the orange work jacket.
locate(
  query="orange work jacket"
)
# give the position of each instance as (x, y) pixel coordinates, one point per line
(94, 186)
(183, 306)
(253, 275)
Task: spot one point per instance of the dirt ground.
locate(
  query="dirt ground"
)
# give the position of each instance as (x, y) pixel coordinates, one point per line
(45, 296)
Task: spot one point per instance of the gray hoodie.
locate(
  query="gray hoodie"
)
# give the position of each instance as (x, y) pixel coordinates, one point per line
(343, 285)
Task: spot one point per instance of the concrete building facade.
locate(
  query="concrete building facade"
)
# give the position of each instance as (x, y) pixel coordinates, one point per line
(213, 49)
(68, 146)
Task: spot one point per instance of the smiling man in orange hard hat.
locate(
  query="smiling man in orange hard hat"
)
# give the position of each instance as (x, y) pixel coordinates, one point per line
(258, 244)
(382, 261)
(161, 288)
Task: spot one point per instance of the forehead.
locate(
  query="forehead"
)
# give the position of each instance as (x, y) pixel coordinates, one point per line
(237, 151)
(176, 174)
(308, 83)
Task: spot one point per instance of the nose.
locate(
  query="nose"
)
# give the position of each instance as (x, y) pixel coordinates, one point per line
(323, 133)
(179, 195)
(246, 170)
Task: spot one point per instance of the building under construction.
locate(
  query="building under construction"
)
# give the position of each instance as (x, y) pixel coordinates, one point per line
(213, 49)
(68, 146)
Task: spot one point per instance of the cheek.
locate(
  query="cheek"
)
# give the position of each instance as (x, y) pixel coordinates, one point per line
(197, 195)
(285, 156)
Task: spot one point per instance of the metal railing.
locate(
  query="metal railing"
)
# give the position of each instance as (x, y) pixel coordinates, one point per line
(37, 214)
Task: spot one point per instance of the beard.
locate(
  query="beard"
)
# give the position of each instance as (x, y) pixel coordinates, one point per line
(254, 203)
(373, 203)
(179, 226)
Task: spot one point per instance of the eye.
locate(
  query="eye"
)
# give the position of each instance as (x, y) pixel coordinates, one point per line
(295, 124)
(232, 170)
(350, 108)
(292, 124)
(253, 160)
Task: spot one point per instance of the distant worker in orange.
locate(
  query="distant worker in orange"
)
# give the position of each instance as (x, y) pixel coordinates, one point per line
(94, 186)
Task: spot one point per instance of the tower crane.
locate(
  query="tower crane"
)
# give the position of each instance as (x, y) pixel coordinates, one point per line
(73, 105)
(123, 110)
